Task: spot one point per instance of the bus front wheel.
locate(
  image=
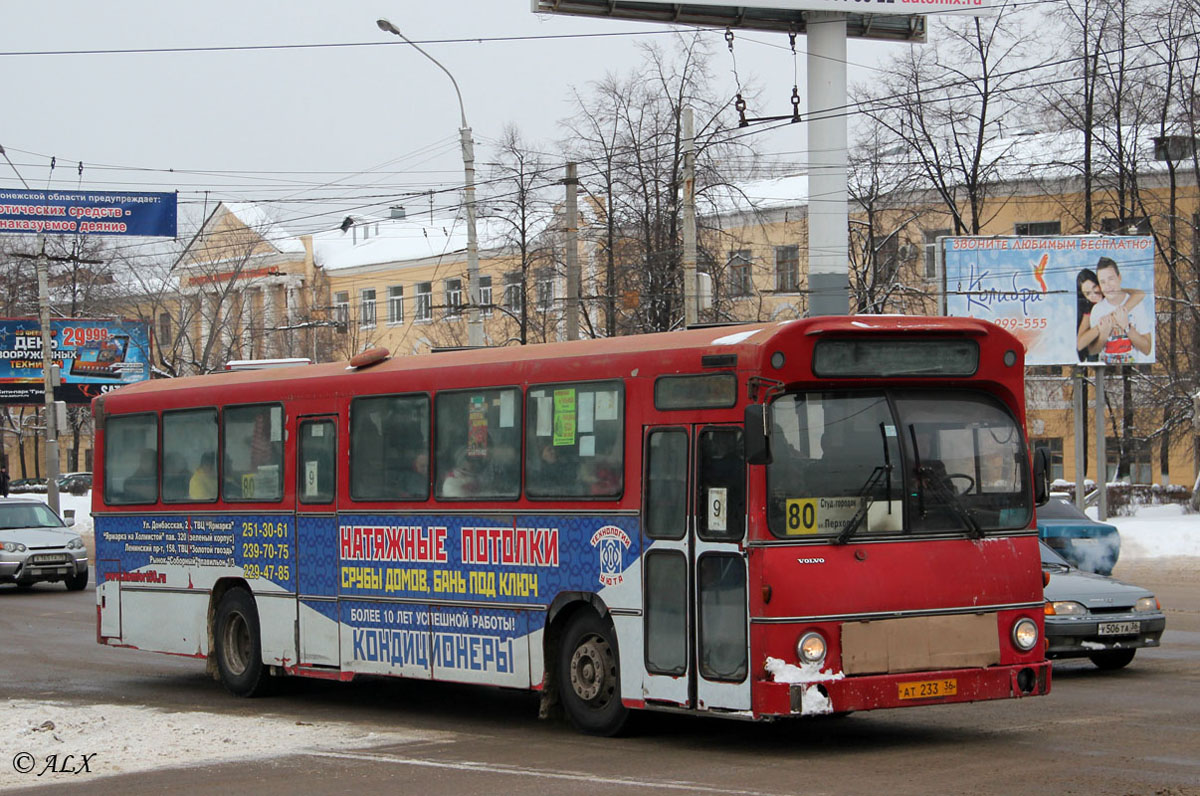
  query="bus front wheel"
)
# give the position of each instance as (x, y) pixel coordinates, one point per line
(238, 644)
(589, 676)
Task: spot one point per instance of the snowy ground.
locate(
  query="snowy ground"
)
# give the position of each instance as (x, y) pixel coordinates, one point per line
(142, 739)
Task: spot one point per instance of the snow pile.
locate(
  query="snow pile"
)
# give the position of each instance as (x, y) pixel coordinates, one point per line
(813, 701)
(1157, 532)
(127, 739)
(805, 673)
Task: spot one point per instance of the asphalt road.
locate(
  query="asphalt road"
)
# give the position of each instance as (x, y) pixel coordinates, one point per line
(1134, 731)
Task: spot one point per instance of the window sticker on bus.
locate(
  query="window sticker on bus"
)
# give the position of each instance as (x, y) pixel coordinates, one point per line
(717, 508)
(585, 412)
(545, 415)
(507, 408)
(606, 405)
(587, 445)
(889, 430)
(317, 429)
(276, 424)
(477, 426)
(564, 417)
(310, 472)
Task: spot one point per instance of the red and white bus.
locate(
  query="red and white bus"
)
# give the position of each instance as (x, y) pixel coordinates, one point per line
(795, 518)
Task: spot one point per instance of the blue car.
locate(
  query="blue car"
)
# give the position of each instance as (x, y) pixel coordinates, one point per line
(1086, 544)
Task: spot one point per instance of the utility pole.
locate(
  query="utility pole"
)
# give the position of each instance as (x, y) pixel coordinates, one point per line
(572, 238)
(43, 278)
(691, 314)
(50, 378)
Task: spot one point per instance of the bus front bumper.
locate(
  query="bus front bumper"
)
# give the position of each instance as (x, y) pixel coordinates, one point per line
(871, 692)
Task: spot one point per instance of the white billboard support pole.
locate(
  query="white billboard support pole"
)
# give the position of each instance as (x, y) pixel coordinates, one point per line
(828, 215)
(1101, 453)
(1080, 431)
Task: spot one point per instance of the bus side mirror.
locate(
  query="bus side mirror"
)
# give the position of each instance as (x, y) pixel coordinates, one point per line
(1041, 476)
(758, 441)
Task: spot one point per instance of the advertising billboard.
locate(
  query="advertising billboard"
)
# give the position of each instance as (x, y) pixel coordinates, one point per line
(1071, 300)
(88, 213)
(94, 356)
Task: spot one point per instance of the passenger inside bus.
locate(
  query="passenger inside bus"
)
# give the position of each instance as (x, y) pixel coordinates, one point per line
(142, 485)
(203, 484)
(470, 477)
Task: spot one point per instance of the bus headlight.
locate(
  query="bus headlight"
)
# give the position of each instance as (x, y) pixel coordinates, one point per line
(811, 648)
(1025, 634)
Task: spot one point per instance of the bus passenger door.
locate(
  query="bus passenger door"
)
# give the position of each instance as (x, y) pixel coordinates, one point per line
(695, 642)
(317, 541)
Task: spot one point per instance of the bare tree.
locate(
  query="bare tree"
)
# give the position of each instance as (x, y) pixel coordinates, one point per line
(944, 103)
(627, 136)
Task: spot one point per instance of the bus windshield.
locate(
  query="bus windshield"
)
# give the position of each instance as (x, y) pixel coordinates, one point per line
(853, 463)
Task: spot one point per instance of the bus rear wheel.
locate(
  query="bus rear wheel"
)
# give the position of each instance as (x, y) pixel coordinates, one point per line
(238, 645)
(589, 676)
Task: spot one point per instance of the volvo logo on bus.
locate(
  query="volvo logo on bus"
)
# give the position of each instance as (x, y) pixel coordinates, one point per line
(811, 560)
(612, 542)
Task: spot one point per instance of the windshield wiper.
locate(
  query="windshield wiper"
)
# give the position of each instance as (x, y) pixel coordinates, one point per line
(864, 492)
(938, 484)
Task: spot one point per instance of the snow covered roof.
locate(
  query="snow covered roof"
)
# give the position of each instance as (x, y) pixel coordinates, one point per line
(255, 216)
(756, 196)
(374, 240)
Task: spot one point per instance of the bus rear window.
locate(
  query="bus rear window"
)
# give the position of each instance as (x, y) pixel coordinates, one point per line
(890, 358)
(131, 459)
(574, 444)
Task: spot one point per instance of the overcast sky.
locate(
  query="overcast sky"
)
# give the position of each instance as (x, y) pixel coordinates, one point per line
(270, 124)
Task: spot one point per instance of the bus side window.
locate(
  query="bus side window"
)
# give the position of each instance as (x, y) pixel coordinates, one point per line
(478, 444)
(389, 447)
(574, 440)
(131, 459)
(189, 471)
(252, 466)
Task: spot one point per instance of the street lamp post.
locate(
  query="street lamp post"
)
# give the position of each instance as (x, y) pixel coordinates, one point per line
(474, 321)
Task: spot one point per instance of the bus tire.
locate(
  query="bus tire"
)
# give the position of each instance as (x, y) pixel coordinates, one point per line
(1112, 659)
(589, 676)
(238, 645)
(78, 582)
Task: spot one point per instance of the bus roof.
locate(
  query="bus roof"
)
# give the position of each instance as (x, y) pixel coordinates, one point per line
(676, 351)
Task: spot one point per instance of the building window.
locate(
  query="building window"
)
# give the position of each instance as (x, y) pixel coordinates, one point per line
(739, 274)
(514, 293)
(931, 236)
(395, 305)
(423, 311)
(545, 289)
(1140, 471)
(366, 308)
(341, 309)
(164, 329)
(787, 269)
(453, 290)
(485, 296)
(886, 248)
(1055, 446)
(1125, 226)
(1039, 228)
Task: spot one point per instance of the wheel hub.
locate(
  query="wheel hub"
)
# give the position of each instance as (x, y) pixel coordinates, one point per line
(590, 668)
(237, 644)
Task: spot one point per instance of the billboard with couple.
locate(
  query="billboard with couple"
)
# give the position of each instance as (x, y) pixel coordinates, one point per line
(1071, 300)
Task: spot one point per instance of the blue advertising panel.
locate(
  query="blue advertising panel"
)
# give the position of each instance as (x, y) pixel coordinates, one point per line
(88, 213)
(1071, 300)
(94, 356)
